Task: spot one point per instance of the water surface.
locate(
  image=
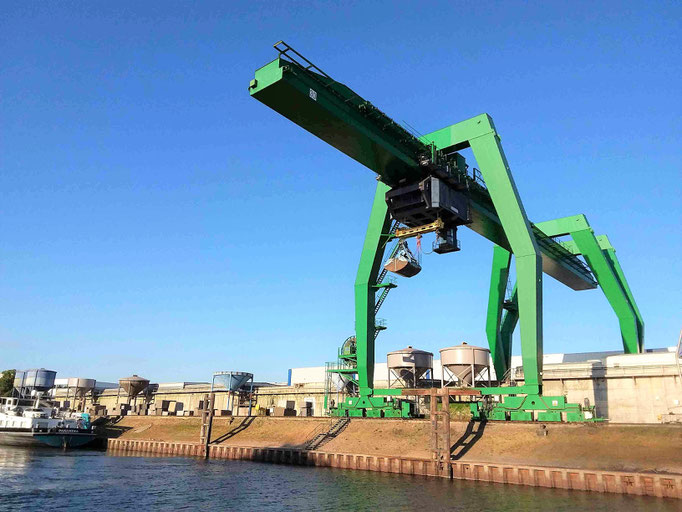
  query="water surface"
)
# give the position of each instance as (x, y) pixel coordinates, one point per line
(50, 480)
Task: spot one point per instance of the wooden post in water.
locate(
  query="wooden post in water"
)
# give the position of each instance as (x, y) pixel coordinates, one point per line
(440, 421)
(440, 428)
(207, 422)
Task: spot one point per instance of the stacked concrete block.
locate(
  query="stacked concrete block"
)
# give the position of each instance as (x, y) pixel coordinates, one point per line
(284, 411)
(167, 408)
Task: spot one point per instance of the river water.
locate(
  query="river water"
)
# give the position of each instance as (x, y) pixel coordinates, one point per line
(51, 480)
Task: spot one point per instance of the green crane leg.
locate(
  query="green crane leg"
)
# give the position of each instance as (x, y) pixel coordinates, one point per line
(601, 257)
(368, 270)
(480, 135)
(509, 321)
(498, 179)
(615, 265)
(611, 284)
(498, 286)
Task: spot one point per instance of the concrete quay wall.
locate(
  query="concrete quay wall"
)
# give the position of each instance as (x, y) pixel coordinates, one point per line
(643, 484)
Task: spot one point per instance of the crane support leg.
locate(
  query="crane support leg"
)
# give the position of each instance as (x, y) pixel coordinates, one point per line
(480, 135)
(601, 257)
(498, 287)
(612, 287)
(610, 254)
(509, 321)
(368, 270)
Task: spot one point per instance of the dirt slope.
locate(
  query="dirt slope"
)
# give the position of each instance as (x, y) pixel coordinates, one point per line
(610, 447)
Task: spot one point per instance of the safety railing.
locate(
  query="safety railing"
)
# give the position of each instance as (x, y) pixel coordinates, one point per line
(288, 52)
(343, 93)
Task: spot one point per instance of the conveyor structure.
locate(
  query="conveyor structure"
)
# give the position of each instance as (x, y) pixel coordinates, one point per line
(425, 185)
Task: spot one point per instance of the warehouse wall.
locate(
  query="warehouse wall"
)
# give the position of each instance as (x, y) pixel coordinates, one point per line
(627, 399)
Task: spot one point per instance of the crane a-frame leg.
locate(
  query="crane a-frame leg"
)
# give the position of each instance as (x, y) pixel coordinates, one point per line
(500, 347)
(519, 402)
(365, 290)
(376, 238)
(480, 135)
(601, 257)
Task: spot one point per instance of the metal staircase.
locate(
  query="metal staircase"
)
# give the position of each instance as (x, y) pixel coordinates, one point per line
(337, 427)
(384, 284)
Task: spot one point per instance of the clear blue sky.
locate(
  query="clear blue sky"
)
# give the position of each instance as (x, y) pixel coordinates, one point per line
(155, 219)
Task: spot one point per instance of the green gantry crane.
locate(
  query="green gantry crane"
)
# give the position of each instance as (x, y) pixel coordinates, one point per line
(424, 185)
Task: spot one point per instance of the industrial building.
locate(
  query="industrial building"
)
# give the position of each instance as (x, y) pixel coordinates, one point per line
(624, 388)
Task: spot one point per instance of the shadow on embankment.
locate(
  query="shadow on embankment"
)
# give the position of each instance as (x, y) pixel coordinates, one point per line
(107, 427)
(245, 423)
(468, 439)
(320, 435)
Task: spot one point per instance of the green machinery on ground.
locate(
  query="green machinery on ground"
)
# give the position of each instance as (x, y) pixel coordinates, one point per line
(424, 185)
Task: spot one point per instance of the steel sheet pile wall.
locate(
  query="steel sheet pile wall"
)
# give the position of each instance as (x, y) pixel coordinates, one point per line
(643, 484)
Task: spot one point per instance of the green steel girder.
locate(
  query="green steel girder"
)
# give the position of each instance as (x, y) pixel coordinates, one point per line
(337, 115)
